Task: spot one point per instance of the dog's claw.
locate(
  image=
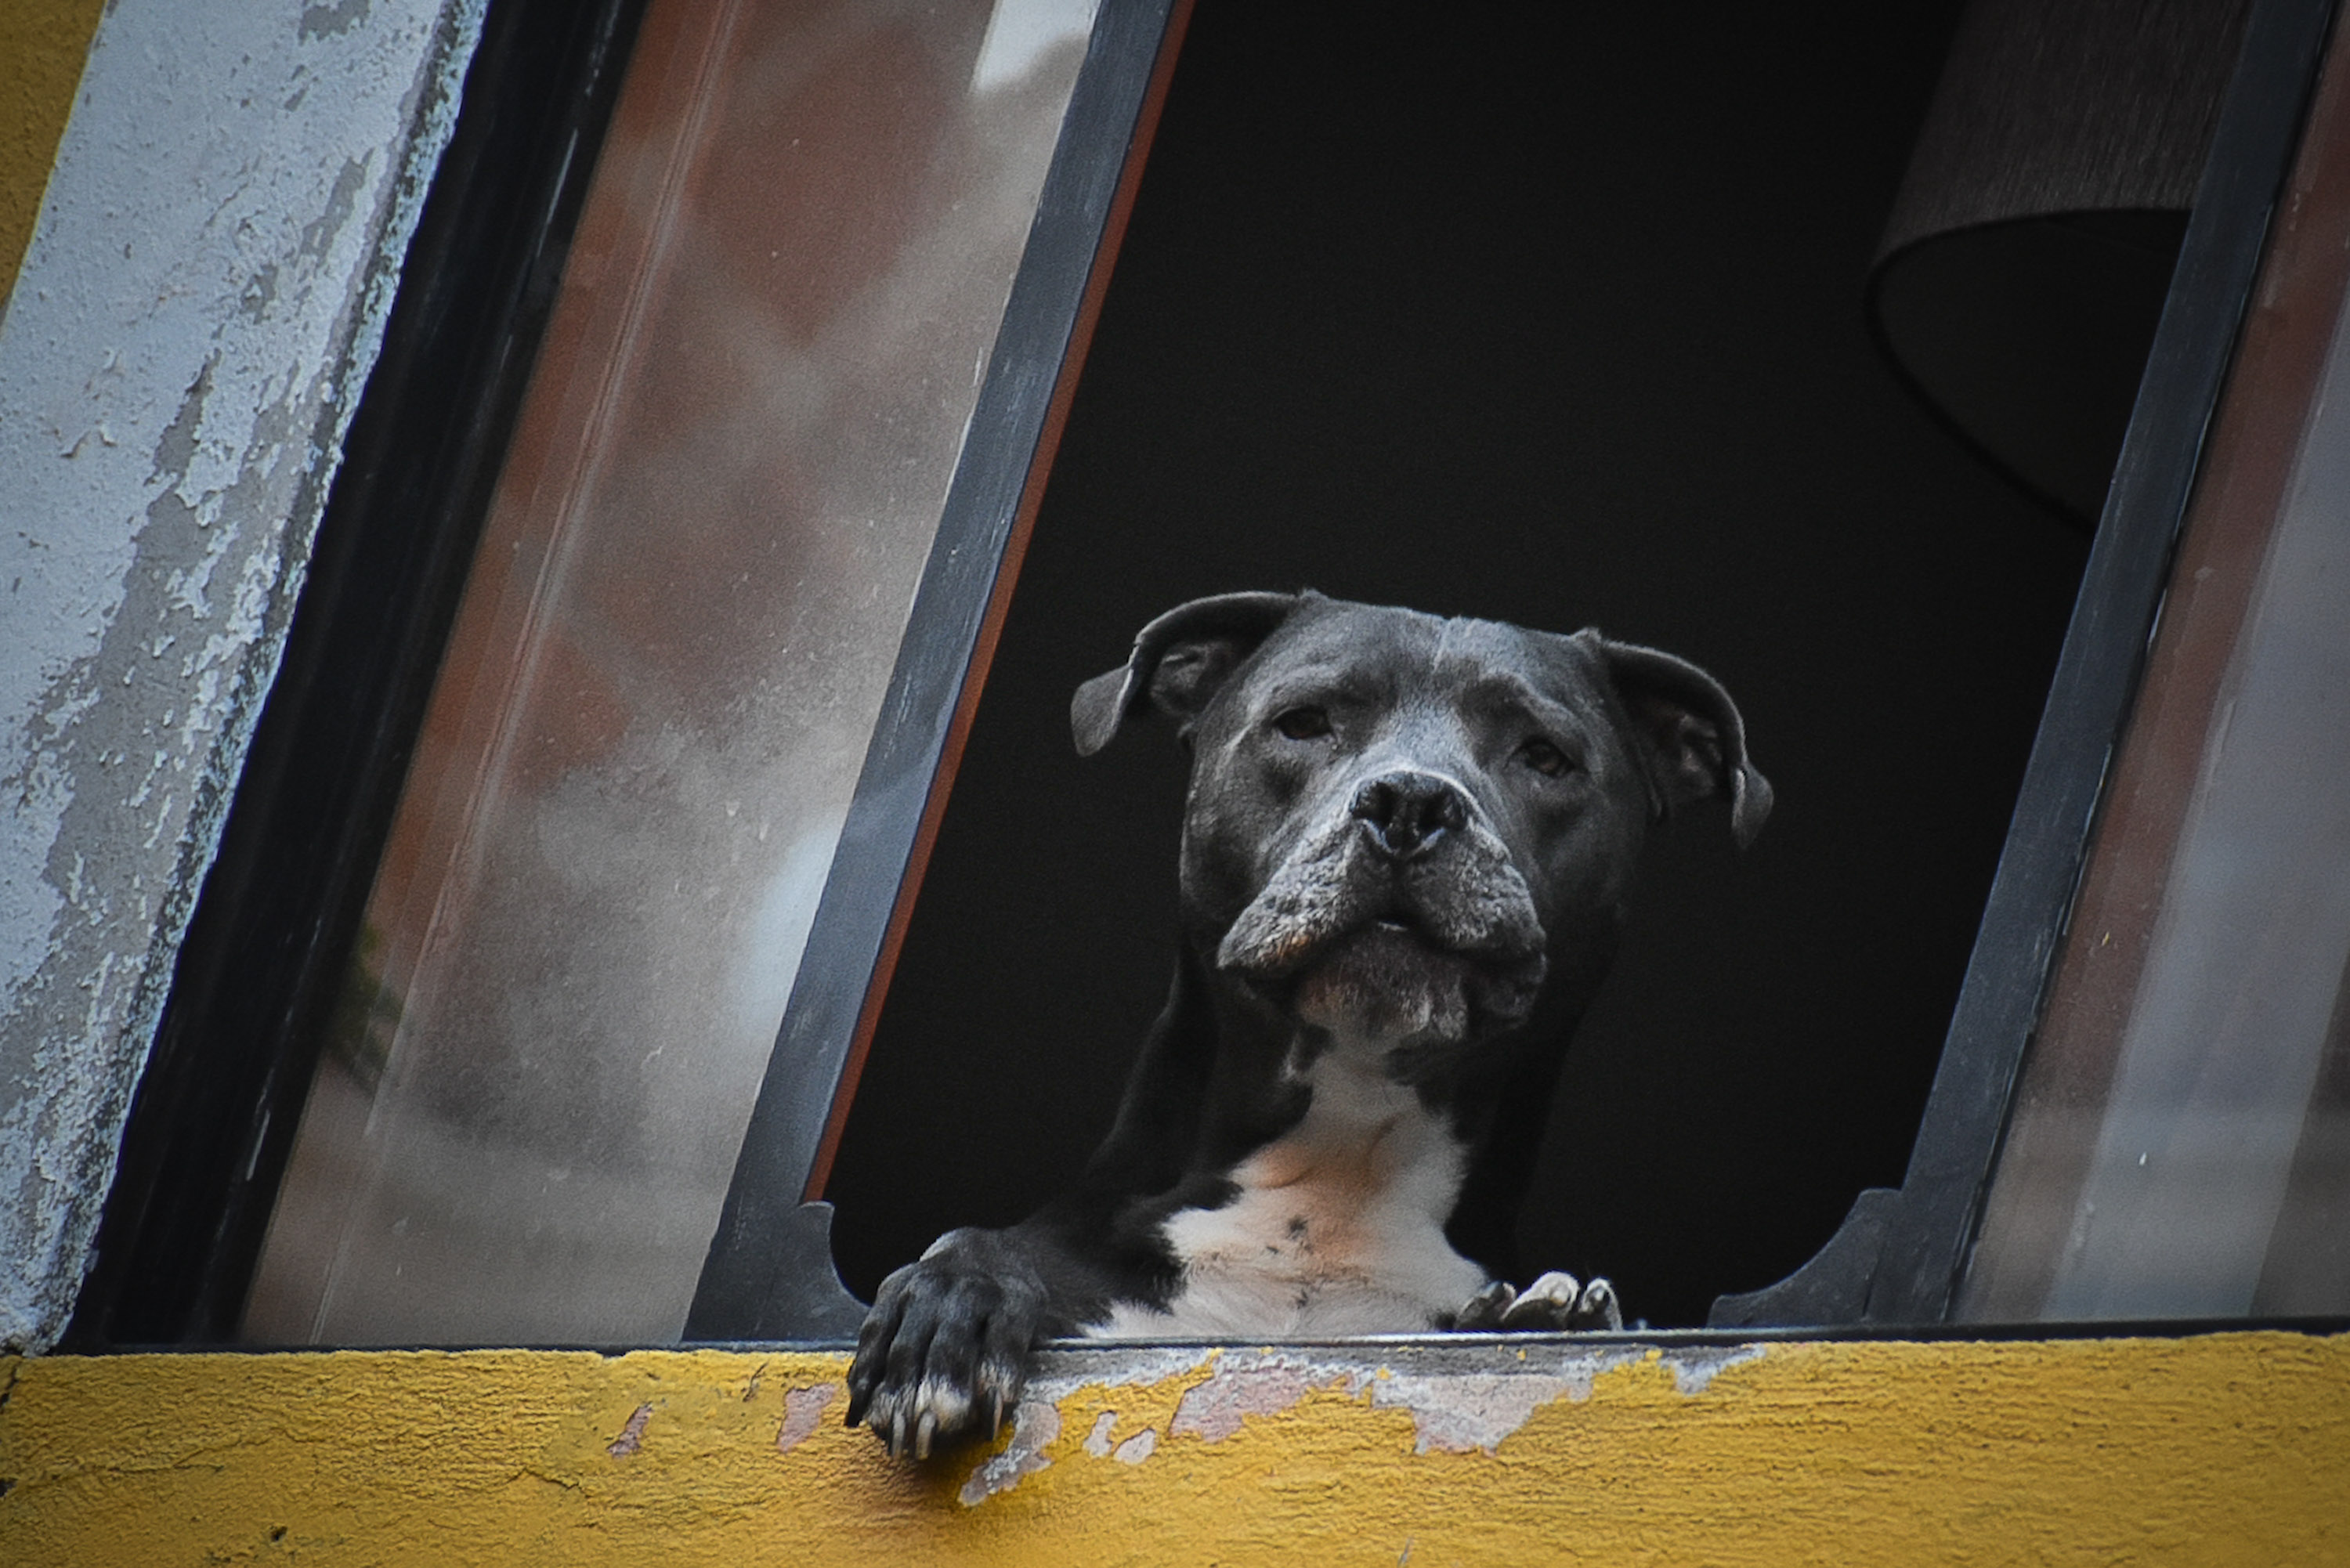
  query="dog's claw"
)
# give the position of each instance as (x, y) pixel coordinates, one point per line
(1483, 1311)
(1553, 1304)
(1598, 1309)
(943, 1353)
(1546, 1304)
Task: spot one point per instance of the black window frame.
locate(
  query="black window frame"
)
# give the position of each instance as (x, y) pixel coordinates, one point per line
(1899, 1255)
(213, 1122)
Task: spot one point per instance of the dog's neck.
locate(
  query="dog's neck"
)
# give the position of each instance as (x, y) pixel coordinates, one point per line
(1266, 1062)
(1334, 1225)
(1493, 1098)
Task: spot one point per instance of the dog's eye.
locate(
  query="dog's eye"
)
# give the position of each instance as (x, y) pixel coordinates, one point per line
(1544, 758)
(1303, 724)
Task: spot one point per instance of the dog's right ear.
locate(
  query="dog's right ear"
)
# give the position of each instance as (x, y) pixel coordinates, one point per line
(1179, 662)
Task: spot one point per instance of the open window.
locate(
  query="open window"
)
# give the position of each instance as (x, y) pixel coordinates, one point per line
(730, 350)
(2138, 1112)
(564, 959)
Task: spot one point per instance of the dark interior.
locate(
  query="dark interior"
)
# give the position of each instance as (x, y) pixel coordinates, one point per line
(2030, 336)
(1554, 316)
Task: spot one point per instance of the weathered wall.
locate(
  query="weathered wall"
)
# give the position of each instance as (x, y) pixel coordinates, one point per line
(42, 46)
(198, 308)
(2228, 1448)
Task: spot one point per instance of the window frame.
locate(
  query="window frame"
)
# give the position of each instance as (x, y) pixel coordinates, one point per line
(213, 1118)
(1900, 1254)
(769, 1273)
(211, 1123)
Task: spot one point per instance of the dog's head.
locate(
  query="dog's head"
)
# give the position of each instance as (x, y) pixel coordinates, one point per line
(1399, 825)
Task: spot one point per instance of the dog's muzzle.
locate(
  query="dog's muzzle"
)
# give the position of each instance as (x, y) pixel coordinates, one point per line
(1400, 918)
(1407, 815)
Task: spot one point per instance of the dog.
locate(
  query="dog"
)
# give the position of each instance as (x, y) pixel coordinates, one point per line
(1408, 846)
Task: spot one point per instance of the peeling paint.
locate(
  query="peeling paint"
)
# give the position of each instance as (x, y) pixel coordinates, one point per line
(633, 1435)
(1215, 1408)
(1461, 1403)
(2213, 1449)
(331, 21)
(1058, 1380)
(171, 412)
(1463, 1396)
(1063, 1373)
(1034, 1423)
(803, 1412)
(1461, 1413)
(1695, 1368)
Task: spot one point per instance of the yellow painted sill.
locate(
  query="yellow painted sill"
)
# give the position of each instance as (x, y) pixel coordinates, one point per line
(2224, 1448)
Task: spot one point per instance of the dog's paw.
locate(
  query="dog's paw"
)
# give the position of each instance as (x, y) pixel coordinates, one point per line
(1554, 1303)
(944, 1353)
(1598, 1310)
(1557, 1302)
(1482, 1313)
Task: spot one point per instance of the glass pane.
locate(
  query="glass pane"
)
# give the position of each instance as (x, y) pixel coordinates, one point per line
(672, 650)
(2180, 1145)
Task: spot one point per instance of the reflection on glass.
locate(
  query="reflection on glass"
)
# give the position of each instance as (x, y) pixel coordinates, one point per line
(675, 641)
(2180, 1145)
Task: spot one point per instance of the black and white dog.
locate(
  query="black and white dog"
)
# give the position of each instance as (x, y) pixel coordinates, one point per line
(1407, 850)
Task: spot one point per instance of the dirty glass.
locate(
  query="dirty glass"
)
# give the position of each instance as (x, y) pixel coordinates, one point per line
(2180, 1145)
(691, 590)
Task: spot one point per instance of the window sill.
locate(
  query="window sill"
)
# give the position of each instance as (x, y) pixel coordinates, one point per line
(1488, 1449)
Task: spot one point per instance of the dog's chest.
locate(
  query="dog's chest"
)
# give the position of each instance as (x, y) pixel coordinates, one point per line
(1337, 1228)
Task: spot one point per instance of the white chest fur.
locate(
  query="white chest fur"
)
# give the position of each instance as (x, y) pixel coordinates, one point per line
(1339, 1227)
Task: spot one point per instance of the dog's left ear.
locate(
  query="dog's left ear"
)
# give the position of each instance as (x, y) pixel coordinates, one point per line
(1689, 733)
(1180, 661)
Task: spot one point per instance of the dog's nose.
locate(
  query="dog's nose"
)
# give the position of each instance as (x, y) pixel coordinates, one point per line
(1404, 813)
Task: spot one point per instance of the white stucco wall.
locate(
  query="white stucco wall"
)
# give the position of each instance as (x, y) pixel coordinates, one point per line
(200, 305)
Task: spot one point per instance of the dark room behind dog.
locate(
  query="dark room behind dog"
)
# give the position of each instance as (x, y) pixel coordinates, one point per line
(1552, 324)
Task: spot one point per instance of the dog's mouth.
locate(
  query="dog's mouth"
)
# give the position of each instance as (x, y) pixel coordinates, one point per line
(1394, 977)
(1444, 947)
(1391, 940)
(1386, 981)
(1299, 921)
